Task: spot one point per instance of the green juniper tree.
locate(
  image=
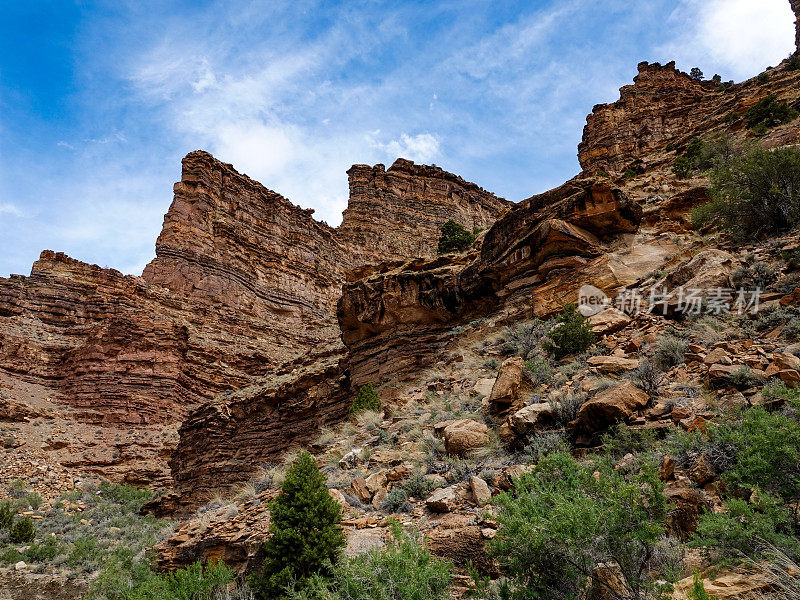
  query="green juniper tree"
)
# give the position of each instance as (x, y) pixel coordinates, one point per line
(305, 536)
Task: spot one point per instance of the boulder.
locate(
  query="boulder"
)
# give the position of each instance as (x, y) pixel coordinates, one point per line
(686, 506)
(702, 471)
(613, 364)
(506, 386)
(608, 321)
(481, 492)
(607, 583)
(376, 481)
(443, 500)
(464, 435)
(360, 490)
(464, 546)
(533, 418)
(614, 404)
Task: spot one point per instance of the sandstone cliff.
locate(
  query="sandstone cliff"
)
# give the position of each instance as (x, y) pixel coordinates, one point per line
(385, 205)
(664, 109)
(243, 282)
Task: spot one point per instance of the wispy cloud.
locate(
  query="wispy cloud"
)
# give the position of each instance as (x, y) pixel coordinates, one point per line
(737, 38)
(295, 92)
(6, 208)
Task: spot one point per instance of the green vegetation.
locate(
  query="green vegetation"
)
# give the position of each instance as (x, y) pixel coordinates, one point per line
(23, 531)
(305, 536)
(562, 521)
(669, 352)
(698, 591)
(538, 370)
(404, 570)
(455, 238)
(366, 400)
(696, 74)
(127, 577)
(769, 112)
(754, 194)
(570, 335)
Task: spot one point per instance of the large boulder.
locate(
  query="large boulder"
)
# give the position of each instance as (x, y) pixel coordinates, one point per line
(617, 403)
(505, 391)
(533, 418)
(464, 435)
(608, 321)
(443, 500)
(613, 364)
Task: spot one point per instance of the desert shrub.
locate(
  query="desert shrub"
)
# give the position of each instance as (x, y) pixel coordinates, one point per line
(669, 352)
(766, 449)
(396, 501)
(454, 238)
(696, 74)
(538, 370)
(129, 577)
(562, 521)
(7, 514)
(754, 275)
(418, 486)
(793, 63)
(570, 335)
(566, 404)
(745, 528)
(542, 445)
(524, 340)
(698, 591)
(366, 400)
(403, 570)
(647, 377)
(85, 552)
(23, 531)
(755, 194)
(621, 440)
(682, 167)
(769, 112)
(305, 535)
(744, 378)
(781, 391)
(44, 552)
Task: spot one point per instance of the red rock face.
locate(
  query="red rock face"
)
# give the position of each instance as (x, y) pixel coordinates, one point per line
(666, 108)
(243, 283)
(397, 321)
(386, 205)
(796, 8)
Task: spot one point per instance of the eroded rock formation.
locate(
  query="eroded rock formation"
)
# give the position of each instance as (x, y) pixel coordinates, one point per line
(387, 204)
(395, 322)
(244, 285)
(665, 108)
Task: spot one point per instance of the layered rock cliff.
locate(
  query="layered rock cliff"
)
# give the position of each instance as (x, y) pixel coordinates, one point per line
(243, 282)
(665, 108)
(387, 204)
(396, 322)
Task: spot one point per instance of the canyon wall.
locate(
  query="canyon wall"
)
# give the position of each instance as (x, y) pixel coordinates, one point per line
(398, 321)
(396, 214)
(657, 117)
(243, 288)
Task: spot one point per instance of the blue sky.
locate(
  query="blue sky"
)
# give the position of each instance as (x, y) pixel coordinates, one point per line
(100, 100)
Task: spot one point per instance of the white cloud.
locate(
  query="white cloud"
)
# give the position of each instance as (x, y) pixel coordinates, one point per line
(423, 147)
(738, 38)
(6, 208)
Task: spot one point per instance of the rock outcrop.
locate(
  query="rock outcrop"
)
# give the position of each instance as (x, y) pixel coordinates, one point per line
(665, 108)
(396, 214)
(796, 8)
(394, 321)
